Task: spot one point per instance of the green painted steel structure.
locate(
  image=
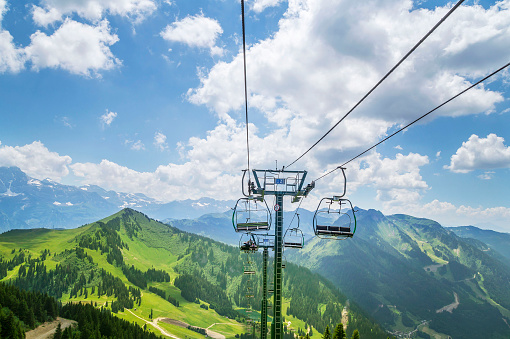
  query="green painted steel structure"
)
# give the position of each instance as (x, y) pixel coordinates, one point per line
(263, 313)
(278, 183)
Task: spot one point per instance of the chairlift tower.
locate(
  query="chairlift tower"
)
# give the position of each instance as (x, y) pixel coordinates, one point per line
(264, 241)
(279, 183)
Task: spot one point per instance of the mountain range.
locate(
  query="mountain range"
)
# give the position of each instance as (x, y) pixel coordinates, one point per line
(26, 202)
(169, 280)
(412, 274)
(422, 279)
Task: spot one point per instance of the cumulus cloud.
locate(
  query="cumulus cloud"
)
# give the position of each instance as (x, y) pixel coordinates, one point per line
(195, 31)
(107, 118)
(480, 153)
(397, 181)
(12, 57)
(53, 10)
(171, 182)
(328, 54)
(36, 160)
(75, 47)
(160, 141)
(260, 5)
(449, 214)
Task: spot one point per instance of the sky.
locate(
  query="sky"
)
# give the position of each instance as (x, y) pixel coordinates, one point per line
(147, 96)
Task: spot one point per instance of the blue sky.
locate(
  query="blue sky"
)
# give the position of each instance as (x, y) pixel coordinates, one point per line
(147, 96)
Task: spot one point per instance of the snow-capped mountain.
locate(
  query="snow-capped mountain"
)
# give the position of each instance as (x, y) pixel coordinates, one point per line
(27, 202)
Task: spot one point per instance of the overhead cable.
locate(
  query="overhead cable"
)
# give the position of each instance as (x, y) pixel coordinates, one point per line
(383, 78)
(421, 117)
(245, 90)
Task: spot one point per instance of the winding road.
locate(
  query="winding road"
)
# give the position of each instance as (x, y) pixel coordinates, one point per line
(155, 324)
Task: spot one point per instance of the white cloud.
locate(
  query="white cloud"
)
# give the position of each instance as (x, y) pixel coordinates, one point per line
(449, 214)
(195, 31)
(36, 160)
(486, 176)
(398, 147)
(67, 122)
(12, 58)
(160, 141)
(75, 47)
(138, 145)
(93, 10)
(135, 145)
(107, 118)
(397, 181)
(171, 182)
(480, 153)
(45, 17)
(260, 5)
(3, 9)
(328, 54)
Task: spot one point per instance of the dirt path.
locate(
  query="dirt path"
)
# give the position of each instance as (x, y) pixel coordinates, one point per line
(155, 324)
(47, 330)
(452, 306)
(345, 317)
(506, 322)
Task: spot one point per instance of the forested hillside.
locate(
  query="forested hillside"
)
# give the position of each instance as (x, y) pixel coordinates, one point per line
(412, 274)
(141, 270)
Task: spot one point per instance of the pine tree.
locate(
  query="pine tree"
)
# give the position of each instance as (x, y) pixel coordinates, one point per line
(327, 334)
(339, 332)
(355, 334)
(58, 332)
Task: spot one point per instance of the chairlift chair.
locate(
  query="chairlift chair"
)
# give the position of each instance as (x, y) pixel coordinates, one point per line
(251, 214)
(294, 237)
(248, 243)
(334, 206)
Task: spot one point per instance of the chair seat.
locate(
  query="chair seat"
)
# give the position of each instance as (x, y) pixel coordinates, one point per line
(248, 226)
(293, 244)
(334, 230)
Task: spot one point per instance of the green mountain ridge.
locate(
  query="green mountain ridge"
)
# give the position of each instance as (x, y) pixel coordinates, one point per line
(137, 267)
(404, 271)
(500, 242)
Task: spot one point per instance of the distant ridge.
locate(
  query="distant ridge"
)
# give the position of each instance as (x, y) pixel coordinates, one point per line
(26, 202)
(405, 270)
(497, 240)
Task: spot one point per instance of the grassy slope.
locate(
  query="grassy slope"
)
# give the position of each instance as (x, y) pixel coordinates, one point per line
(389, 258)
(154, 246)
(160, 255)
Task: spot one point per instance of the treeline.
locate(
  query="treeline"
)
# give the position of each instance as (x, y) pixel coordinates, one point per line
(339, 333)
(21, 310)
(100, 323)
(140, 279)
(197, 329)
(106, 239)
(222, 265)
(162, 294)
(196, 286)
(18, 259)
(77, 275)
(34, 276)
